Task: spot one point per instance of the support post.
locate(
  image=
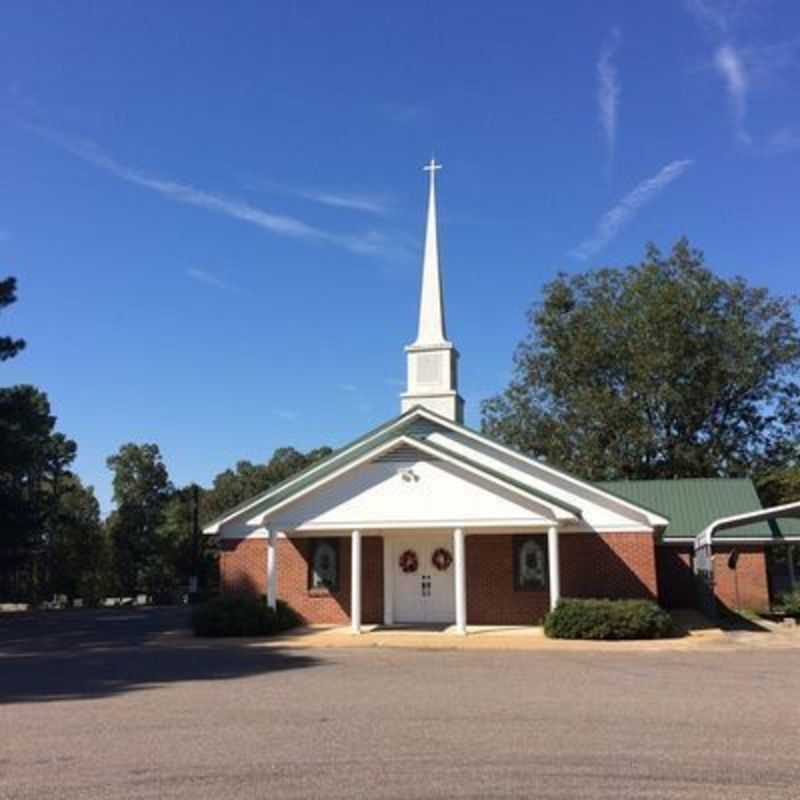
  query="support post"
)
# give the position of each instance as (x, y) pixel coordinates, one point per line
(459, 551)
(790, 564)
(554, 566)
(388, 581)
(355, 581)
(272, 569)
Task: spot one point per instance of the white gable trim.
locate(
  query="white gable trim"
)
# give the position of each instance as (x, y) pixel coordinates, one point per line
(653, 519)
(238, 511)
(551, 511)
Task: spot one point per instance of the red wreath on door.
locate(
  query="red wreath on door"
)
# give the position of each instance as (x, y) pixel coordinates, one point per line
(441, 559)
(408, 561)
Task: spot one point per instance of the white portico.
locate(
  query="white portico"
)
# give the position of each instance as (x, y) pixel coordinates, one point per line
(424, 520)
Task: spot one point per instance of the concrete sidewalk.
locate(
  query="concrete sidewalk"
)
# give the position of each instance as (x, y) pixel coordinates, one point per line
(692, 631)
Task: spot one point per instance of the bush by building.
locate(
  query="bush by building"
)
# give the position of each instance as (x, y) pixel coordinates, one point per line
(607, 619)
(242, 615)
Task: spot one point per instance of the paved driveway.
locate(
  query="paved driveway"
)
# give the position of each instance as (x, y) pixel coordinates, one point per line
(110, 705)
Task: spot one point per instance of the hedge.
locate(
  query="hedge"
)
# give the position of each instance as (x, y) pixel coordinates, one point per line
(607, 619)
(242, 615)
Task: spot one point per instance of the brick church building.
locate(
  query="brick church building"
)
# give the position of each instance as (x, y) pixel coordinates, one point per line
(425, 521)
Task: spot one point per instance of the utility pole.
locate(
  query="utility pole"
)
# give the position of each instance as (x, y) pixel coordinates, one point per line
(193, 579)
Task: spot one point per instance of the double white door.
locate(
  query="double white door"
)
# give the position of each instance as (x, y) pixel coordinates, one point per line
(427, 594)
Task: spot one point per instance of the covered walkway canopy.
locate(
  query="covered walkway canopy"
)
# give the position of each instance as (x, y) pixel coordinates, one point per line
(704, 543)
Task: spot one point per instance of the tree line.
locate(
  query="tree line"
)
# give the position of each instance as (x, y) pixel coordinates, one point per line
(661, 369)
(54, 541)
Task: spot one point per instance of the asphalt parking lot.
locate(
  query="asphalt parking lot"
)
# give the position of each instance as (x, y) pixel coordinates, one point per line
(113, 704)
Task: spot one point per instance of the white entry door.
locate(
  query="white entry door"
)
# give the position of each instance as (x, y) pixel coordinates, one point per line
(424, 594)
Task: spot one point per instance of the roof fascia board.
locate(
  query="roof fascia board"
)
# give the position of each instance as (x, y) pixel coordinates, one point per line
(419, 445)
(574, 511)
(213, 526)
(653, 517)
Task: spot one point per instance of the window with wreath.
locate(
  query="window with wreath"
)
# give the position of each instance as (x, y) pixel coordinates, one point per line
(530, 563)
(324, 572)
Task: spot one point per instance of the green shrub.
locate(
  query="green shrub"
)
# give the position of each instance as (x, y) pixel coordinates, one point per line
(790, 603)
(607, 619)
(242, 615)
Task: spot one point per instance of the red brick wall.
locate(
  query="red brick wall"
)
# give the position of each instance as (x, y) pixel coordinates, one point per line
(491, 597)
(675, 577)
(750, 576)
(592, 565)
(243, 567)
(608, 565)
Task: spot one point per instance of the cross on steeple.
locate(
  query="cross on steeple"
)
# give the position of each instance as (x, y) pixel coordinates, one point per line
(432, 359)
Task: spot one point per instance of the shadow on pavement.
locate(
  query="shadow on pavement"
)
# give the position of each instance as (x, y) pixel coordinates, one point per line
(731, 620)
(89, 654)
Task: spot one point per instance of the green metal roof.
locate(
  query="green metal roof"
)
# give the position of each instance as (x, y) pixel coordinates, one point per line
(692, 503)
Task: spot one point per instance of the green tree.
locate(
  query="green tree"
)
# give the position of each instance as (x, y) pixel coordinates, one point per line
(141, 491)
(81, 551)
(8, 294)
(662, 369)
(179, 545)
(246, 480)
(35, 473)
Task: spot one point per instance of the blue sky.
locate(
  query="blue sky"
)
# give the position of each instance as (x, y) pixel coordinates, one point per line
(215, 212)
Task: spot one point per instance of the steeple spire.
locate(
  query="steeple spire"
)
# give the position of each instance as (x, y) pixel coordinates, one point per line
(432, 359)
(431, 328)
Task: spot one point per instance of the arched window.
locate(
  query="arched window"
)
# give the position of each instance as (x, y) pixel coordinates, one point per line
(324, 564)
(530, 563)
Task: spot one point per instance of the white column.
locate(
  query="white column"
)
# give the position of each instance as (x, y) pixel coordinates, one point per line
(355, 581)
(388, 581)
(554, 566)
(272, 569)
(460, 566)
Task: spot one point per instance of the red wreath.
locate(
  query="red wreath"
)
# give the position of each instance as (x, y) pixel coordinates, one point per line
(408, 561)
(441, 559)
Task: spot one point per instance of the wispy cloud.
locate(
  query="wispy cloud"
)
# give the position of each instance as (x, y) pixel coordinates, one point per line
(730, 64)
(743, 68)
(289, 416)
(715, 15)
(608, 91)
(785, 140)
(612, 222)
(348, 387)
(370, 203)
(369, 243)
(208, 278)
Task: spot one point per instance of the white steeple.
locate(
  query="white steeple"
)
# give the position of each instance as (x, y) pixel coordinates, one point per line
(431, 314)
(432, 360)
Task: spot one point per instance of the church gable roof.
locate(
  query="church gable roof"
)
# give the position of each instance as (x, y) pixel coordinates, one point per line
(469, 450)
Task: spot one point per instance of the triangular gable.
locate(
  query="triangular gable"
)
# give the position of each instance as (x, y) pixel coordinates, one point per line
(470, 451)
(370, 490)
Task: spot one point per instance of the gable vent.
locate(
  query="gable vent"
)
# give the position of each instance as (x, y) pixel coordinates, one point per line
(404, 453)
(421, 428)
